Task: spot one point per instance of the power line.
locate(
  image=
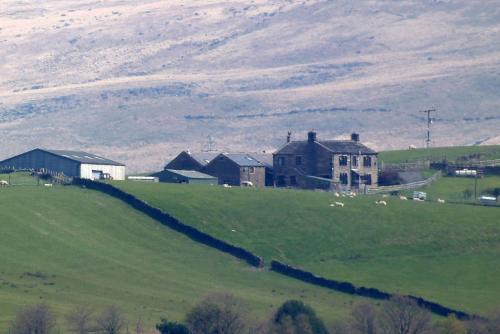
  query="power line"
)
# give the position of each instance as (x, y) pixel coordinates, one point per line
(429, 122)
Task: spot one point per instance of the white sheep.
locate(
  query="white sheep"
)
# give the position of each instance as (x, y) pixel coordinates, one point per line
(226, 185)
(385, 196)
(442, 201)
(384, 203)
(4, 183)
(48, 184)
(403, 198)
(339, 204)
(336, 194)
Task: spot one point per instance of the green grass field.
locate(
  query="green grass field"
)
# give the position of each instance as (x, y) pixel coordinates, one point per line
(445, 253)
(67, 246)
(453, 188)
(439, 153)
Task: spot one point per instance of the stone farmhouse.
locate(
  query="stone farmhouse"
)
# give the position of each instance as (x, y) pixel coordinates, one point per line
(313, 163)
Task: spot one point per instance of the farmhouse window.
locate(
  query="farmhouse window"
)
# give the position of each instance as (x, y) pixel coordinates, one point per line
(367, 161)
(298, 160)
(293, 180)
(251, 170)
(344, 179)
(355, 161)
(343, 160)
(281, 161)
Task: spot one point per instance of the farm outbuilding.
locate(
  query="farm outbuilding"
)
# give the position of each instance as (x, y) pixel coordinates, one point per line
(185, 176)
(69, 163)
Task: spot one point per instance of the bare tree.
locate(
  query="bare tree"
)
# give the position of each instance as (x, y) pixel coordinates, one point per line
(37, 319)
(217, 314)
(80, 320)
(363, 319)
(111, 321)
(402, 315)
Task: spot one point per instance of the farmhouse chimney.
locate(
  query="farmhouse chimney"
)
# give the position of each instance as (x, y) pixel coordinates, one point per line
(355, 137)
(311, 136)
(289, 137)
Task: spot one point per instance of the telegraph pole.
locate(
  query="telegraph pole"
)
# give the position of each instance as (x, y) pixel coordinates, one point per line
(429, 122)
(210, 144)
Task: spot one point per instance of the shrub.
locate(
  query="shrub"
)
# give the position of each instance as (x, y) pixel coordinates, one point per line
(296, 317)
(170, 327)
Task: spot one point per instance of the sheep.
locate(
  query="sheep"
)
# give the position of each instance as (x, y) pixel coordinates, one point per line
(4, 183)
(226, 185)
(442, 201)
(385, 196)
(336, 194)
(48, 185)
(384, 203)
(403, 198)
(340, 204)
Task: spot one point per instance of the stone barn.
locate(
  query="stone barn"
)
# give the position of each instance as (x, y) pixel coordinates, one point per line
(237, 169)
(70, 163)
(187, 160)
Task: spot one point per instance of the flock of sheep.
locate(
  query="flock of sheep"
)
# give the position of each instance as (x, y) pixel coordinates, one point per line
(378, 202)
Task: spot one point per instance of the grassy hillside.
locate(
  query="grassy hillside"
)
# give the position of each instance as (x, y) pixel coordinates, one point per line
(446, 253)
(66, 245)
(439, 153)
(452, 188)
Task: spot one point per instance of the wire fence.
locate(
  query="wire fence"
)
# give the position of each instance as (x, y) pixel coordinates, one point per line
(402, 187)
(29, 177)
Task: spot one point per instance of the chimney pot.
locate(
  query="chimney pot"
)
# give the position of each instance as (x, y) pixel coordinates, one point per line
(355, 137)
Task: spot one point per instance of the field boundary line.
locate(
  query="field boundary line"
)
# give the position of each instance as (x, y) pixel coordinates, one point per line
(254, 260)
(373, 293)
(171, 222)
(405, 186)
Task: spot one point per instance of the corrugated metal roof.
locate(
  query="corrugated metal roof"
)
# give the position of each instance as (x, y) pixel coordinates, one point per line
(243, 160)
(83, 157)
(191, 174)
(335, 146)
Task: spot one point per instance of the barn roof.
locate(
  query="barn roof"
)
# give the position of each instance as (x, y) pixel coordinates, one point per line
(334, 146)
(83, 157)
(264, 158)
(191, 174)
(243, 160)
(203, 158)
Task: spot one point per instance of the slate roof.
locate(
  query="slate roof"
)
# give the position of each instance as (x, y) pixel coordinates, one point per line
(243, 159)
(264, 158)
(203, 158)
(191, 174)
(335, 146)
